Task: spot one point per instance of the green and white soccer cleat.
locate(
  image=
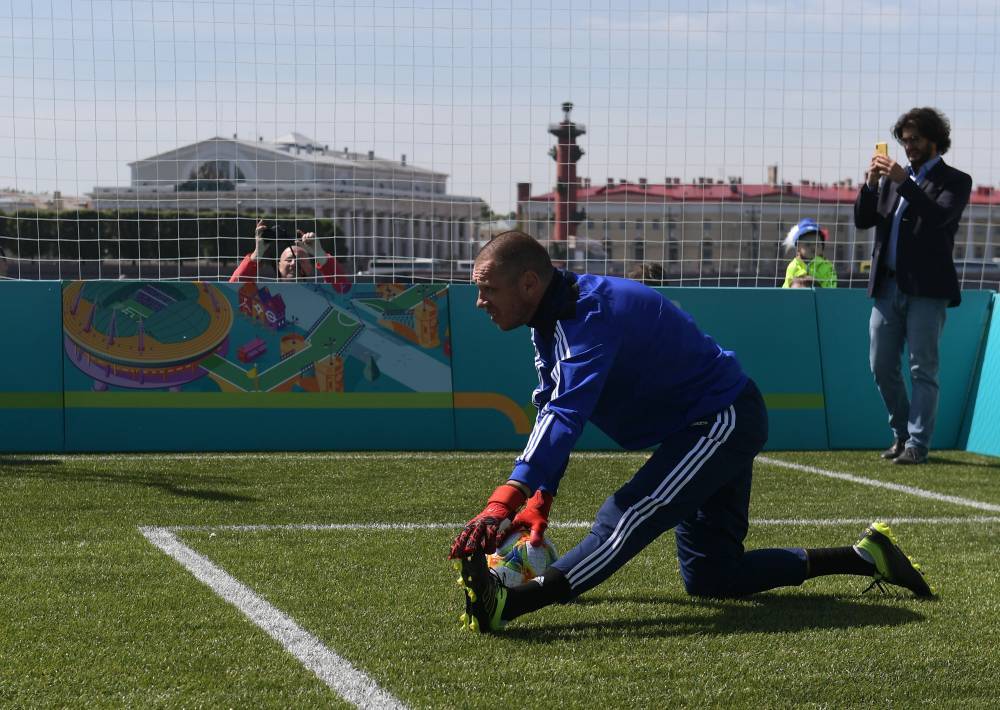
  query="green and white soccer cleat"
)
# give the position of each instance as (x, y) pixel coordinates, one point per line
(879, 546)
(485, 596)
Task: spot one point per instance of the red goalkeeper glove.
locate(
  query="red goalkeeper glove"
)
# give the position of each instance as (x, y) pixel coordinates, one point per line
(481, 532)
(534, 517)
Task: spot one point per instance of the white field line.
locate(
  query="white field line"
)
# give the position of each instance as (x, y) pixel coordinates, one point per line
(314, 456)
(899, 488)
(570, 524)
(342, 677)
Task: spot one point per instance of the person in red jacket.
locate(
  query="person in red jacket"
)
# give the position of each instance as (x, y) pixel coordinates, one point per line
(300, 261)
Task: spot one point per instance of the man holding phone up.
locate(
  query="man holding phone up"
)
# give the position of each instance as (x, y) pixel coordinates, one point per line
(915, 211)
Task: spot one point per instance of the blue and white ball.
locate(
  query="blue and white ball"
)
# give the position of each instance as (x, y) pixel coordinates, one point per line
(516, 561)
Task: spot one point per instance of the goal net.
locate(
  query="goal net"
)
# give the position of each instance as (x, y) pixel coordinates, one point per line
(676, 141)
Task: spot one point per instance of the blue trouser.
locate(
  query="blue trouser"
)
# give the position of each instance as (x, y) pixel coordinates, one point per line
(697, 481)
(918, 321)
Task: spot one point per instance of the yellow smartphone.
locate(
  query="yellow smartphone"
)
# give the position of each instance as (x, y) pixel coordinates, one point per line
(882, 149)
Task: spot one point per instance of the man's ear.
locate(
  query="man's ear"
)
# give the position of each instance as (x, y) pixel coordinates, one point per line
(530, 281)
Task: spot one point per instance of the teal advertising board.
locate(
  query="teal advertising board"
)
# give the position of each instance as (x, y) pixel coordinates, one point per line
(984, 412)
(170, 366)
(857, 418)
(200, 366)
(31, 385)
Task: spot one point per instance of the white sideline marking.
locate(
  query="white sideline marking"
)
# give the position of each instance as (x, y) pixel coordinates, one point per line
(570, 524)
(316, 455)
(919, 492)
(342, 677)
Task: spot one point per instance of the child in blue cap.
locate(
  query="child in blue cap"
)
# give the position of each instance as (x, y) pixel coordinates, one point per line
(808, 268)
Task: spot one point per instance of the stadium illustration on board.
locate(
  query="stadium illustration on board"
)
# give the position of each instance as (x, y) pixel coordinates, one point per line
(256, 338)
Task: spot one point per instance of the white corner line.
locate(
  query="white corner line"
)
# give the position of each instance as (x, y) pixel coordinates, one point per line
(909, 490)
(344, 679)
(566, 525)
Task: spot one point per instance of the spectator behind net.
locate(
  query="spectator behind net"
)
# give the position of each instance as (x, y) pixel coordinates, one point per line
(808, 268)
(298, 260)
(649, 273)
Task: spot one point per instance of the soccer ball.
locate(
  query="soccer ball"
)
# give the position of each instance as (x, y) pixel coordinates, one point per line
(516, 561)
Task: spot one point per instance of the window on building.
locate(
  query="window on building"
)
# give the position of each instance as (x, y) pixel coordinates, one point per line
(212, 176)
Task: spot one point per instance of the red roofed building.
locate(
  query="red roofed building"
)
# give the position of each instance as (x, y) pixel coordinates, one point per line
(715, 232)
(726, 232)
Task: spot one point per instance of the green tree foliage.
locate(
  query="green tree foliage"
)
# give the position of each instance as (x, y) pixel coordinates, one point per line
(111, 234)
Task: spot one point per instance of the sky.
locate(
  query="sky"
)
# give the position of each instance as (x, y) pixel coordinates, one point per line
(678, 88)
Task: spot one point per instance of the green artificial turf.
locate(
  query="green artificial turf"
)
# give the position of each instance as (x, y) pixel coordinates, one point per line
(94, 615)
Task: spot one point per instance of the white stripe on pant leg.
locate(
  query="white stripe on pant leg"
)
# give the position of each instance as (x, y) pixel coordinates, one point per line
(727, 416)
(638, 513)
(635, 514)
(348, 682)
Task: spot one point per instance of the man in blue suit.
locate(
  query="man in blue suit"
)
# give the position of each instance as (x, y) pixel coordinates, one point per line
(915, 211)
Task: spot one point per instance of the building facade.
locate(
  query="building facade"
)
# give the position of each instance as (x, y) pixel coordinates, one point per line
(383, 208)
(717, 232)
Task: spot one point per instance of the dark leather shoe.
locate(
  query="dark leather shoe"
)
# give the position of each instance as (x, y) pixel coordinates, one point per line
(911, 456)
(897, 448)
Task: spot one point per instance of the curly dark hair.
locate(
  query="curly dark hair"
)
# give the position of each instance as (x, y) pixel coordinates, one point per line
(929, 123)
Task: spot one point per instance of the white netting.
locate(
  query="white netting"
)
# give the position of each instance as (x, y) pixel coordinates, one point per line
(146, 138)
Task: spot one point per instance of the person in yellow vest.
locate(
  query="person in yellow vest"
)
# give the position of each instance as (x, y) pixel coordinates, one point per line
(808, 268)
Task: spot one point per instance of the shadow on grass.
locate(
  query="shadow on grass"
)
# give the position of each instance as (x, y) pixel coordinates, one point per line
(176, 483)
(20, 461)
(939, 460)
(765, 614)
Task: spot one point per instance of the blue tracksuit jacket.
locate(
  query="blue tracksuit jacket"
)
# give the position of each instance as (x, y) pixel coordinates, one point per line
(617, 353)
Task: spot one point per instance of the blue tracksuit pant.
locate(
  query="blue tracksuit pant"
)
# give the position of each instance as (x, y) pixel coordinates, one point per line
(697, 481)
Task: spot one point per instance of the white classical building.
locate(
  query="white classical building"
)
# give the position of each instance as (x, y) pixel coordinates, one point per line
(384, 208)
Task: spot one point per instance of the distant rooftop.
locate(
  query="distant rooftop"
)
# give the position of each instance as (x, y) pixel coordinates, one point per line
(706, 190)
(302, 147)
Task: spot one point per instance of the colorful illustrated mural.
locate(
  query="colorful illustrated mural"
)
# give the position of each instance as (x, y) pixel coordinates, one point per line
(256, 337)
(144, 335)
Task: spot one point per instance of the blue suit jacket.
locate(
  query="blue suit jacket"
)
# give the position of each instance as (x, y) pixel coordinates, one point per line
(924, 265)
